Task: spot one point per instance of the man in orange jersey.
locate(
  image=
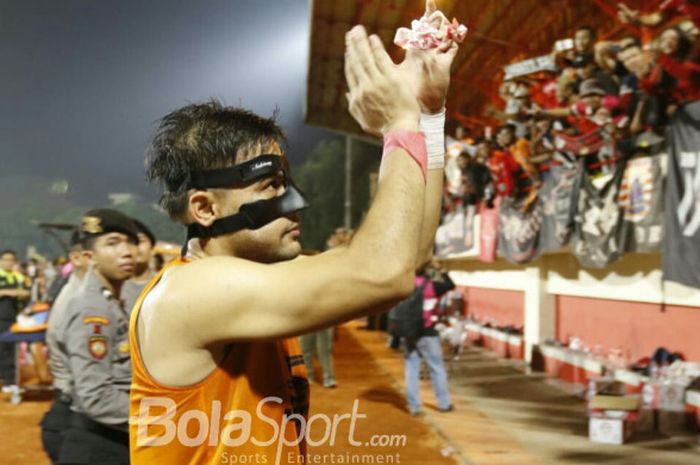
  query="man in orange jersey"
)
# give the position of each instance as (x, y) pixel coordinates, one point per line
(217, 374)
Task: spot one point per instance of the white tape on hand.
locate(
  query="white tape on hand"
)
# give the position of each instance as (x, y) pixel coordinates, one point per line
(433, 126)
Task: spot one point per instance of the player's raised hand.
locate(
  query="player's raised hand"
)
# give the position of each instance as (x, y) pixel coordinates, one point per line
(378, 98)
(427, 71)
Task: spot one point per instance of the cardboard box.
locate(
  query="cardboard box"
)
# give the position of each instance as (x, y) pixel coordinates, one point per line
(664, 396)
(603, 385)
(609, 430)
(672, 397)
(607, 402)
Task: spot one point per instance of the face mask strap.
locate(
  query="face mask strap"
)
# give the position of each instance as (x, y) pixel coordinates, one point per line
(252, 215)
(251, 170)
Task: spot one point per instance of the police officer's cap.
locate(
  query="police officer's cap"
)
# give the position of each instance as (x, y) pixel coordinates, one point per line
(143, 229)
(101, 221)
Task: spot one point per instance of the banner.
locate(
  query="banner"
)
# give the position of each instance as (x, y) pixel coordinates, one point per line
(456, 233)
(519, 231)
(584, 144)
(488, 234)
(641, 200)
(559, 196)
(532, 65)
(596, 237)
(681, 250)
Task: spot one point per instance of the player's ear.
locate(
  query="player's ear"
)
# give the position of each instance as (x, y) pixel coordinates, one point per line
(203, 207)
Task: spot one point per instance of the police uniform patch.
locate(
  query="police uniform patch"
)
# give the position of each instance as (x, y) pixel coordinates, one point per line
(96, 320)
(97, 346)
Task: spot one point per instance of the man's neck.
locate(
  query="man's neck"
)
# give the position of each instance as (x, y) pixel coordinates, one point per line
(212, 247)
(201, 248)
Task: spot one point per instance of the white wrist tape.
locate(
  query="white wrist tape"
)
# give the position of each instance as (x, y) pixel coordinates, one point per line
(433, 126)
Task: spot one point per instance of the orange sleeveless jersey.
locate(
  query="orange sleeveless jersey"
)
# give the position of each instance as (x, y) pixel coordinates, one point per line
(250, 409)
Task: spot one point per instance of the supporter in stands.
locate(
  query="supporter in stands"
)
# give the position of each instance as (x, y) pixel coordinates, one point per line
(646, 111)
(475, 174)
(501, 163)
(667, 10)
(519, 107)
(595, 107)
(542, 141)
(584, 40)
(567, 51)
(565, 91)
(679, 58)
(586, 68)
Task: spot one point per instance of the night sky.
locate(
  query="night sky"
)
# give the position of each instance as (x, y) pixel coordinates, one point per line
(84, 81)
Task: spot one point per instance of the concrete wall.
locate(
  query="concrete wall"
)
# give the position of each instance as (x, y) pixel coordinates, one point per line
(636, 326)
(626, 305)
(496, 306)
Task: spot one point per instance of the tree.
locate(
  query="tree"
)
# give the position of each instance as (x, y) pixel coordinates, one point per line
(322, 179)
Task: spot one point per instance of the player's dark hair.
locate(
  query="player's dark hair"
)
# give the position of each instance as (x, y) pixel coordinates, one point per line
(202, 136)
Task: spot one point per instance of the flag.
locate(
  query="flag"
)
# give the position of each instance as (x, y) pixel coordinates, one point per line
(641, 200)
(558, 195)
(596, 238)
(519, 231)
(681, 249)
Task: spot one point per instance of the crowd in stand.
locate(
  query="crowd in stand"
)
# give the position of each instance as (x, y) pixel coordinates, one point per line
(603, 100)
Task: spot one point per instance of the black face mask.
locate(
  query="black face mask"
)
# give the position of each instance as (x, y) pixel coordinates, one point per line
(253, 215)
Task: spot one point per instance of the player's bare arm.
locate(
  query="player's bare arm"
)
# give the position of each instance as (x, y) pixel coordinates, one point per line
(199, 309)
(246, 300)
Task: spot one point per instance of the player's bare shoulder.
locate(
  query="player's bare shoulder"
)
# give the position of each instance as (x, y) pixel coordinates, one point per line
(183, 289)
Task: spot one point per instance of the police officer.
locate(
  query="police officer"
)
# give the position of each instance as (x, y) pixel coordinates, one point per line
(96, 344)
(56, 421)
(13, 289)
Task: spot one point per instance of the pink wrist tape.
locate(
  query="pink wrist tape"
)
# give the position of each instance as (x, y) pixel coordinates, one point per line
(412, 142)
